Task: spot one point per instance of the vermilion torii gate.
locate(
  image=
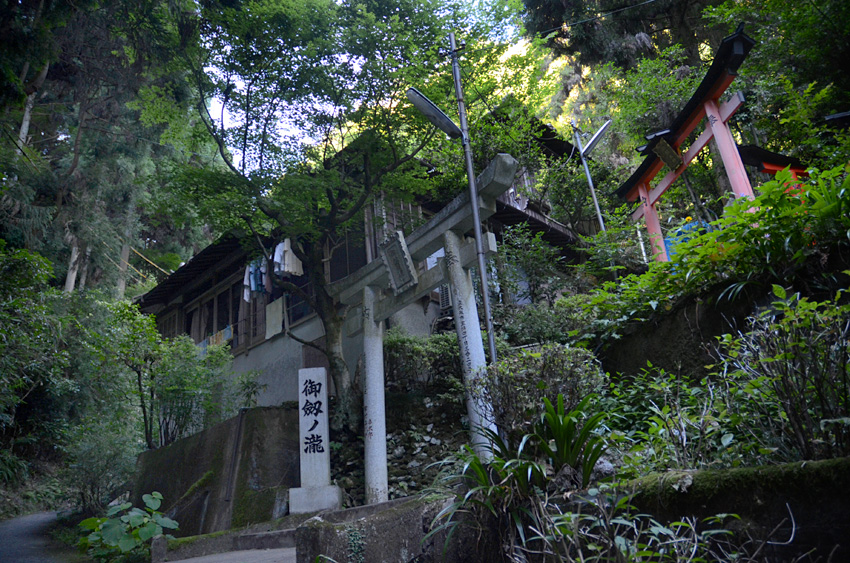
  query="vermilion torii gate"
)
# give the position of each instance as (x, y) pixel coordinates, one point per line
(664, 147)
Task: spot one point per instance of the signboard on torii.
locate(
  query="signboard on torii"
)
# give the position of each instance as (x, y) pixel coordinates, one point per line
(667, 145)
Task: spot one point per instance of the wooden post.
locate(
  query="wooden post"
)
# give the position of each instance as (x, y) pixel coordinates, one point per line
(728, 151)
(653, 225)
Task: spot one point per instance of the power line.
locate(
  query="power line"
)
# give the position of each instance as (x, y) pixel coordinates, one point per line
(570, 24)
(599, 17)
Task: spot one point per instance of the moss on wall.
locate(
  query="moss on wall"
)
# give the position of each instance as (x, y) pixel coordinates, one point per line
(815, 494)
(252, 507)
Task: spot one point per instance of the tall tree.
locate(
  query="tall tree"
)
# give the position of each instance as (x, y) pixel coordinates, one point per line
(312, 123)
(76, 171)
(601, 31)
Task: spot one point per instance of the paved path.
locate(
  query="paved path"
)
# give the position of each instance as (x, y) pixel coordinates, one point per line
(284, 555)
(25, 540)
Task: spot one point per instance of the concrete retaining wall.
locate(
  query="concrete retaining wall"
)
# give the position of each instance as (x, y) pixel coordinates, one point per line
(233, 474)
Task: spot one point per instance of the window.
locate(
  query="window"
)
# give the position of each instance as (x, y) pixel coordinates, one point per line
(167, 325)
(348, 256)
(296, 307)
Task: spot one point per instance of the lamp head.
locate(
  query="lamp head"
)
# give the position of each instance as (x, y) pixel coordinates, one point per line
(434, 114)
(595, 138)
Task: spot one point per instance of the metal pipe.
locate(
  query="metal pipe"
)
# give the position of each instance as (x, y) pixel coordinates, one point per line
(473, 200)
(589, 179)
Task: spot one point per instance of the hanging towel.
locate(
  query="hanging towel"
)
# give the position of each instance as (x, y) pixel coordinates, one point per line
(246, 284)
(285, 261)
(291, 261)
(279, 259)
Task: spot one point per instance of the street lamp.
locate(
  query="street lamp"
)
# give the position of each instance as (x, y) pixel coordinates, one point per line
(442, 121)
(434, 114)
(583, 152)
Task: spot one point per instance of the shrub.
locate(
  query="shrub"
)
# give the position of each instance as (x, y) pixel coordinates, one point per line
(101, 459)
(413, 362)
(533, 324)
(660, 421)
(125, 533)
(517, 385)
(513, 485)
(13, 469)
(794, 368)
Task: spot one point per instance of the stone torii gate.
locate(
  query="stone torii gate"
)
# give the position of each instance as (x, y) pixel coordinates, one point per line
(664, 147)
(368, 288)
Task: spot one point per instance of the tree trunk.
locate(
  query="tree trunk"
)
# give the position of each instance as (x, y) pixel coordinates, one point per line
(73, 265)
(122, 270)
(23, 133)
(348, 413)
(84, 269)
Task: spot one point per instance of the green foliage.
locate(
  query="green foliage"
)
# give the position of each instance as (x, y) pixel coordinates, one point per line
(793, 369)
(510, 484)
(660, 421)
(126, 531)
(177, 388)
(801, 39)
(787, 230)
(569, 441)
(12, 468)
(412, 362)
(534, 324)
(580, 30)
(778, 394)
(613, 252)
(646, 98)
(607, 528)
(100, 460)
(795, 76)
(33, 381)
(518, 384)
(530, 267)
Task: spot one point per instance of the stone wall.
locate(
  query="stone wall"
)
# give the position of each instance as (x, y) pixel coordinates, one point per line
(233, 474)
(799, 507)
(678, 340)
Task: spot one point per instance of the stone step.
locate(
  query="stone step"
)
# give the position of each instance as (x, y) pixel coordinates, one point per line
(265, 540)
(222, 542)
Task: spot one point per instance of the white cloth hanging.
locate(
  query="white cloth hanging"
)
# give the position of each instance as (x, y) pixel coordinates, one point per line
(246, 284)
(285, 261)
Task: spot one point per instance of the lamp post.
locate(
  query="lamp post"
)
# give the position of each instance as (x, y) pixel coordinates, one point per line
(442, 121)
(583, 152)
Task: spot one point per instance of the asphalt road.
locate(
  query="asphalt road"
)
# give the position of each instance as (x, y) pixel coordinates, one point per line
(25, 540)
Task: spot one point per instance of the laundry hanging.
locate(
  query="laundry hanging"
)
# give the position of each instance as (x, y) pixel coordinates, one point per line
(255, 279)
(285, 261)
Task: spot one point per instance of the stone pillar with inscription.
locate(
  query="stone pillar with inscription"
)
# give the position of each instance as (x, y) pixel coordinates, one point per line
(316, 492)
(468, 327)
(374, 419)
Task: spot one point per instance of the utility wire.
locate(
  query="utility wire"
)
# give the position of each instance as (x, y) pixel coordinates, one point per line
(594, 18)
(146, 259)
(570, 24)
